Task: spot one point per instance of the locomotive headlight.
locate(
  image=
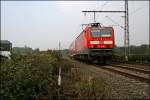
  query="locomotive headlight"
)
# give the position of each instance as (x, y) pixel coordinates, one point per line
(94, 42)
(108, 42)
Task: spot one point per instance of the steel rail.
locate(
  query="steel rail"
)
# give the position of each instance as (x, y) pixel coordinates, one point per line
(132, 68)
(139, 78)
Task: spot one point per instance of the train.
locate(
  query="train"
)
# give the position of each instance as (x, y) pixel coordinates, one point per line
(94, 44)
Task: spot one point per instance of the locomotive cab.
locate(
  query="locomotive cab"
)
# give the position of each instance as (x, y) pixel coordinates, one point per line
(100, 42)
(101, 37)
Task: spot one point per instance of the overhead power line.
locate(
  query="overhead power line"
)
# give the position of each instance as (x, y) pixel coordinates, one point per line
(104, 11)
(139, 9)
(115, 22)
(104, 4)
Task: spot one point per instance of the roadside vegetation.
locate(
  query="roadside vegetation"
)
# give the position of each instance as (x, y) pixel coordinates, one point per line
(28, 76)
(77, 84)
(137, 54)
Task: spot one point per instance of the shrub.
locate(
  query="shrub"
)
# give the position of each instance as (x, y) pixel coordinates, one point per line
(27, 76)
(133, 58)
(90, 88)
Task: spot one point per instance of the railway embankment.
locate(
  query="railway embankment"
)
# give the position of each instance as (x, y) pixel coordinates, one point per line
(115, 86)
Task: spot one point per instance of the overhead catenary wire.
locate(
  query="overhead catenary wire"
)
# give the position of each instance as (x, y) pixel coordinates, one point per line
(115, 22)
(141, 7)
(104, 5)
(133, 12)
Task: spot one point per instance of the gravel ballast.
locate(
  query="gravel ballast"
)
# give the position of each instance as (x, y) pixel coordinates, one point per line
(117, 86)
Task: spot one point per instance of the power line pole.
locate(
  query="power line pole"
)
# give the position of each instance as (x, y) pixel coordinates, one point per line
(126, 37)
(125, 32)
(94, 17)
(59, 48)
(59, 74)
(59, 45)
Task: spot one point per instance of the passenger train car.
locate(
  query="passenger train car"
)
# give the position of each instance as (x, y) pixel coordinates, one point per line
(95, 44)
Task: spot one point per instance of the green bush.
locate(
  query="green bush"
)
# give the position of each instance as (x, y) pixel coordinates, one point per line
(27, 76)
(133, 58)
(139, 58)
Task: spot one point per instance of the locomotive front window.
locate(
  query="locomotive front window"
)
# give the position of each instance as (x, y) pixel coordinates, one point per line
(101, 32)
(105, 33)
(95, 33)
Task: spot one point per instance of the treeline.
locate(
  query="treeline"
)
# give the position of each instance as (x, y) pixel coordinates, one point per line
(142, 49)
(139, 54)
(24, 50)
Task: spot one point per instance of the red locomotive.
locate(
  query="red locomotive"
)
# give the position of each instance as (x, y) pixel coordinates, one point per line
(95, 43)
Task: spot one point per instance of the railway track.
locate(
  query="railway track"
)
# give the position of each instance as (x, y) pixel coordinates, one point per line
(146, 67)
(128, 71)
(141, 70)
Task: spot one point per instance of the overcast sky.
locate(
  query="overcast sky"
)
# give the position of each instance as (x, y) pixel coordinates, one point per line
(42, 24)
